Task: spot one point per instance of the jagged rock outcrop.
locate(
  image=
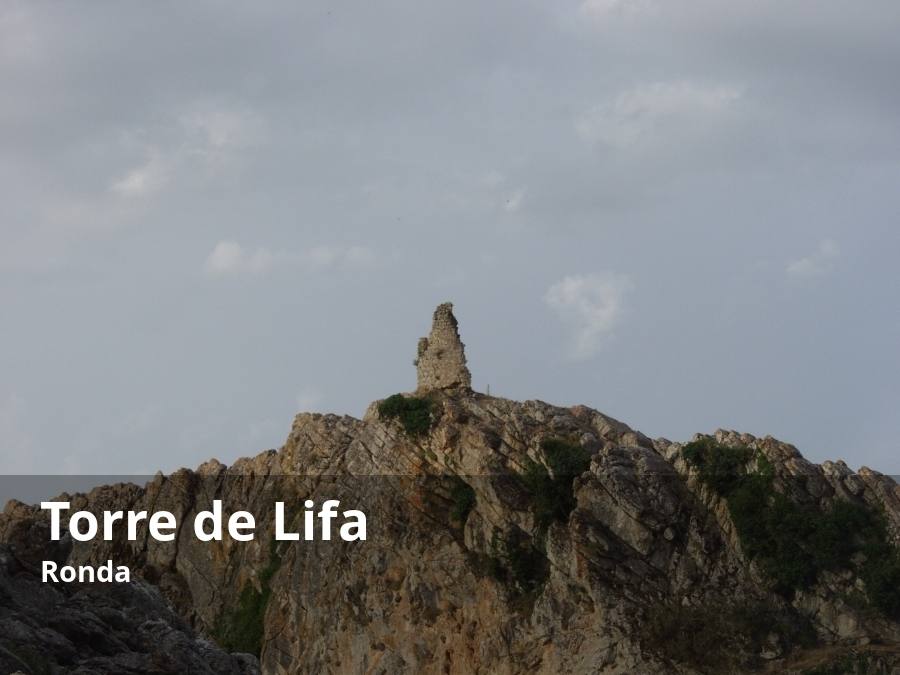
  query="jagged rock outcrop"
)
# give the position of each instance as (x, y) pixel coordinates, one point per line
(506, 537)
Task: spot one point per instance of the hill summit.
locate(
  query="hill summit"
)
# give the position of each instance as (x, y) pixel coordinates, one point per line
(504, 537)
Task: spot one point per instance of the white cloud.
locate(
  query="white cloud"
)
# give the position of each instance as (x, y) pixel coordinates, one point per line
(201, 145)
(208, 137)
(229, 258)
(641, 112)
(142, 180)
(216, 137)
(514, 201)
(321, 256)
(818, 263)
(501, 191)
(222, 128)
(591, 305)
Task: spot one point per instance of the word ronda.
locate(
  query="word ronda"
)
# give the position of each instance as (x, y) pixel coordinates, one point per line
(85, 573)
(162, 525)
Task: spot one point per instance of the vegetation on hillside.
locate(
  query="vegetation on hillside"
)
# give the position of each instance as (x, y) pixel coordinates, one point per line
(793, 543)
(462, 498)
(518, 558)
(242, 628)
(717, 638)
(552, 492)
(516, 561)
(416, 415)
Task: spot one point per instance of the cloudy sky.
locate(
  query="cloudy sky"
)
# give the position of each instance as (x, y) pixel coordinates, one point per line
(684, 213)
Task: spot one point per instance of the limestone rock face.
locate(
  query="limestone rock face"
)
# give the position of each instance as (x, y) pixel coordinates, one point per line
(487, 588)
(441, 359)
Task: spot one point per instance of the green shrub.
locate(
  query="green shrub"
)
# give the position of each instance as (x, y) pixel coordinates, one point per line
(414, 414)
(528, 564)
(721, 637)
(553, 496)
(463, 499)
(719, 466)
(566, 460)
(793, 543)
(547, 505)
(881, 574)
(242, 628)
(515, 561)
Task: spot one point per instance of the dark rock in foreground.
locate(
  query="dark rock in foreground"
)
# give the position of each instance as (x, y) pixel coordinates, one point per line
(97, 629)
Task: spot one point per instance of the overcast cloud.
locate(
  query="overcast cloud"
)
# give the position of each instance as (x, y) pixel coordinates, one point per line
(683, 213)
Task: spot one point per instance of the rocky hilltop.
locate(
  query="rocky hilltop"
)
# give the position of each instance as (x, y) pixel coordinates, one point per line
(509, 537)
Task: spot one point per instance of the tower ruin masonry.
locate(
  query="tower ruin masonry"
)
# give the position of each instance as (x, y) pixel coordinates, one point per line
(441, 360)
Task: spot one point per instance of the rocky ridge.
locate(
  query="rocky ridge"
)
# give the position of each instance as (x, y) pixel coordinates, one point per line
(505, 537)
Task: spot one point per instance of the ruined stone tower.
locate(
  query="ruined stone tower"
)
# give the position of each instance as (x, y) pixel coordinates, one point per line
(441, 361)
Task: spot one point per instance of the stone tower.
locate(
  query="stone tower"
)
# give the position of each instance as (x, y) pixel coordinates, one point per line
(441, 361)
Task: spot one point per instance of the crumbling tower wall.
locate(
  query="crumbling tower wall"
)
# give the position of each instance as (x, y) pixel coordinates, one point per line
(441, 360)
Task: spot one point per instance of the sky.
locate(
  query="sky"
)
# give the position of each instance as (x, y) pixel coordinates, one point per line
(683, 213)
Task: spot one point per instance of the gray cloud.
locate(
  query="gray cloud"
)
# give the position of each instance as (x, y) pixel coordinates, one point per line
(592, 305)
(208, 213)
